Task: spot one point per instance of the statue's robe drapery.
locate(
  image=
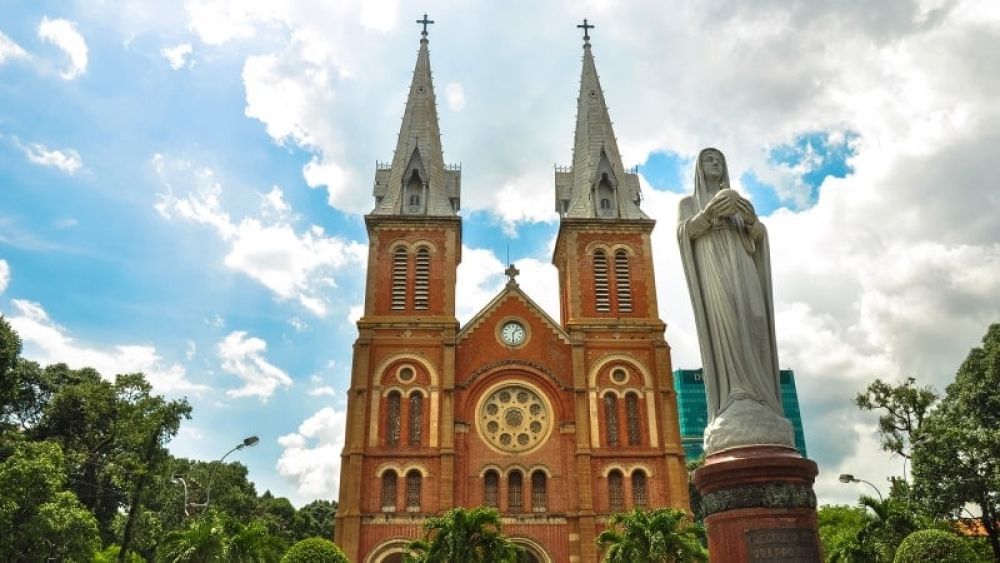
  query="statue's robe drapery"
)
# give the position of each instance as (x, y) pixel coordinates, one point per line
(729, 279)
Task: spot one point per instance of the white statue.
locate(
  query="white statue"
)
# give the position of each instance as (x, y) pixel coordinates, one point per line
(727, 263)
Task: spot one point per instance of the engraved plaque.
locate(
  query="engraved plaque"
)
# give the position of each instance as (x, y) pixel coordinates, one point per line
(788, 545)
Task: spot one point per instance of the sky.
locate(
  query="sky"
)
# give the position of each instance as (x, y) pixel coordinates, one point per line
(183, 184)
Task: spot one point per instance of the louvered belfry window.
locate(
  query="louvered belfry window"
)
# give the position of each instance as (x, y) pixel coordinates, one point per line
(602, 297)
(413, 481)
(632, 417)
(623, 282)
(416, 417)
(392, 404)
(638, 489)
(422, 280)
(611, 418)
(538, 491)
(514, 500)
(389, 491)
(616, 498)
(491, 485)
(400, 263)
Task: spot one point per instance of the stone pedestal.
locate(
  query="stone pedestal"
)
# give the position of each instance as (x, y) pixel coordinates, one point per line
(759, 505)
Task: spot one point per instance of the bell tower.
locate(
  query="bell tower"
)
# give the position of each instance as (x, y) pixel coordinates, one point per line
(399, 412)
(609, 308)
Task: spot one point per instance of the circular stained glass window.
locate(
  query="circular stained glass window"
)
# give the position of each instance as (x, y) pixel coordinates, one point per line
(514, 418)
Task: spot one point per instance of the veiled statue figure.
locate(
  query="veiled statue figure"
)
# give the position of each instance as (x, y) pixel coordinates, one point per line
(726, 259)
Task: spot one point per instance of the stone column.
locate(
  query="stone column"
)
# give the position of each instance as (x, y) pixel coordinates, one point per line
(759, 505)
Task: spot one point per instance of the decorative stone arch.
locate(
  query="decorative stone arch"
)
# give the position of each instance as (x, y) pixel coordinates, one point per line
(611, 391)
(607, 469)
(376, 394)
(425, 393)
(595, 246)
(623, 392)
(389, 551)
(533, 548)
(418, 467)
(623, 246)
(645, 468)
(424, 243)
(512, 468)
(386, 467)
(541, 467)
(386, 390)
(400, 243)
(646, 394)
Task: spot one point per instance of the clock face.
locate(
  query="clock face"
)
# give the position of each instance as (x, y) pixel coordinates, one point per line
(512, 333)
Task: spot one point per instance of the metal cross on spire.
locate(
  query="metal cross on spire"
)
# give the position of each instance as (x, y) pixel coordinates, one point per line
(426, 21)
(586, 30)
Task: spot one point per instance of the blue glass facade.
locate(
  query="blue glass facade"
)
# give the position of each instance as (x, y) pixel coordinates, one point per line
(692, 409)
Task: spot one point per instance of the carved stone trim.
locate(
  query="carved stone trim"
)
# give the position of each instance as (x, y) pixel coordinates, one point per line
(759, 495)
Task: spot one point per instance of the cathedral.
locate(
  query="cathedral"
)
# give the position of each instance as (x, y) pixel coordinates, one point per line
(556, 423)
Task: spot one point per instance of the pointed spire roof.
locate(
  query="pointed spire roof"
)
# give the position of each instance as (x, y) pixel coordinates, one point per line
(417, 182)
(598, 184)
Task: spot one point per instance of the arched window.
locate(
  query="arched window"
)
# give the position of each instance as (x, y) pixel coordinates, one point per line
(414, 189)
(623, 283)
(611, 419)
(616, 498)
(414, 199)
(491, 486)
(605, 203)
(389, 479)
(514, 501)
(416, 417)
(638, 489)
(413, 481)
(538, 491)
(422, 280)
(392, 404)
(400, 263)
(632, 419)
(602, 297)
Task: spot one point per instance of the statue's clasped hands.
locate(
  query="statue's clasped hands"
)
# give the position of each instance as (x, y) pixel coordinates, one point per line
(728, 202)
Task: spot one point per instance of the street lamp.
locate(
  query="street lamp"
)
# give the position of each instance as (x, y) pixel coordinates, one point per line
(247, 442)
(848, 478)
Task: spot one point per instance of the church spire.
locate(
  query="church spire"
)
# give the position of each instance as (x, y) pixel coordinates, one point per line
(597, 185)
(417, 182)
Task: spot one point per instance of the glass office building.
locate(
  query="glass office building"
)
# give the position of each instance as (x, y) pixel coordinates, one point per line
(692, 409)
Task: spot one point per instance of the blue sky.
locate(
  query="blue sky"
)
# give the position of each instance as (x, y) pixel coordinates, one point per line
(182, 188)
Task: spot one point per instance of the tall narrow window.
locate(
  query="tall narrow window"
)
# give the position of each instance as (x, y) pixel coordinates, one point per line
(413, 481)
(514, 501)
(422, 280)
(623, 283)
(416, 417)
(400, 260)
(638, 489)
(538, 491)
(392, 404)
(491, 485)
(616, 498)
(602, 297)
(632, 419)
(611, 419)
(389, 491)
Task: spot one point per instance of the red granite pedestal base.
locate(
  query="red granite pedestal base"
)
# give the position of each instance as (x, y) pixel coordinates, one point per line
(759, 505)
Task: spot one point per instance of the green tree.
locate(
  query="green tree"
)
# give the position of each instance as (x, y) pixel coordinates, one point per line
(938, 546)
(838, 530)
(204, 539)
(664, 535)
(904, 406)
(315, 520)
(314, 550)
(957, 458)
(279, 515)
(38, 520)
(253, 543)
(465, 535)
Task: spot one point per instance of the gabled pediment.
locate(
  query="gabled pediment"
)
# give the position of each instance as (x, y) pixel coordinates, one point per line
(531, 309)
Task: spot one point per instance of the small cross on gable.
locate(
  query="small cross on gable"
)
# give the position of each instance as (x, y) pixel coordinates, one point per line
(426, 21)
(586, 30)
(511, 272)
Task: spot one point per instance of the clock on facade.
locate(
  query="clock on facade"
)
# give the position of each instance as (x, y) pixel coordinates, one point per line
(512, 333)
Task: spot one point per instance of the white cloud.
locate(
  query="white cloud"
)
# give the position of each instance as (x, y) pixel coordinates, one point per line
(9, 50)
(293, 265)
(322, 391)
(47, 343)
(243, 356)
(177, 55)
(311, 456)
(298, 324)
(66, 160)
(454, 93)
(481, 277)
(4, 275)
(63, 34)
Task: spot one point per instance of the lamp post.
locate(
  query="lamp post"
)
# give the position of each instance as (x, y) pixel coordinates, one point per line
(247, 442)
(848, 478)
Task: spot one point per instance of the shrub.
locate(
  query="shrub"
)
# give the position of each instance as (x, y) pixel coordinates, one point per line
(938, 546)
(314, 550)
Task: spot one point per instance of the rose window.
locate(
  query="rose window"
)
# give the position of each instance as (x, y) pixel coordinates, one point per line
(514, 418)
